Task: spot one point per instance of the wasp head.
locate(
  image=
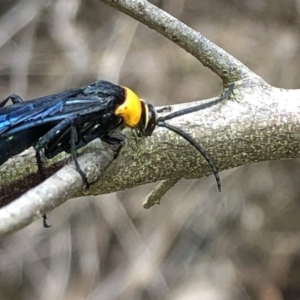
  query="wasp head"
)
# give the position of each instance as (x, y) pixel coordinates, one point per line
(137, 113)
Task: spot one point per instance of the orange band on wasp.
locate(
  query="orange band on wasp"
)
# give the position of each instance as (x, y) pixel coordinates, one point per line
(131, 110)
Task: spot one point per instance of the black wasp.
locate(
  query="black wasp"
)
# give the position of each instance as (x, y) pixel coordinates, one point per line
(69, 120)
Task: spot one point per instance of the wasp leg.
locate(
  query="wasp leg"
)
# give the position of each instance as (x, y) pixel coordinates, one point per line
(136, 135)
(73, 140)
(42, 177)
(13, 98)
(44, 140)
(60, 127)
(45, 223)
(40, 165)
(114, 141)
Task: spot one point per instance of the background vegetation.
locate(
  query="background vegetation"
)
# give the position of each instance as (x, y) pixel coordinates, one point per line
(198, 244)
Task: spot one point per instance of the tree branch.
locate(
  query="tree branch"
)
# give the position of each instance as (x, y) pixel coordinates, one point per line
(228, 68)
(258, 123)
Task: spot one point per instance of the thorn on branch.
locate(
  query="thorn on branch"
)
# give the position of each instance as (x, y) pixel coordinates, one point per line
(158, 192)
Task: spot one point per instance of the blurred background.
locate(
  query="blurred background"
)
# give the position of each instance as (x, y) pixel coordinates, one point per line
(198, 244)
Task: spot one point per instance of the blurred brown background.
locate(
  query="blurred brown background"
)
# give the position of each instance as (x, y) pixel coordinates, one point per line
(198, 244)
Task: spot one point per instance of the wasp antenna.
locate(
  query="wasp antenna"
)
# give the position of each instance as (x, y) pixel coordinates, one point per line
(198, 107)
(188, 138)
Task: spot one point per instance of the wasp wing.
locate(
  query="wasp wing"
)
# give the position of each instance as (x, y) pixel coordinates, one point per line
(33, 110)
(23, 124)
(101, 95)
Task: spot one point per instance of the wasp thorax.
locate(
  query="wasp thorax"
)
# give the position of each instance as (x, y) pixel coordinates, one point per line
(130, 110)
